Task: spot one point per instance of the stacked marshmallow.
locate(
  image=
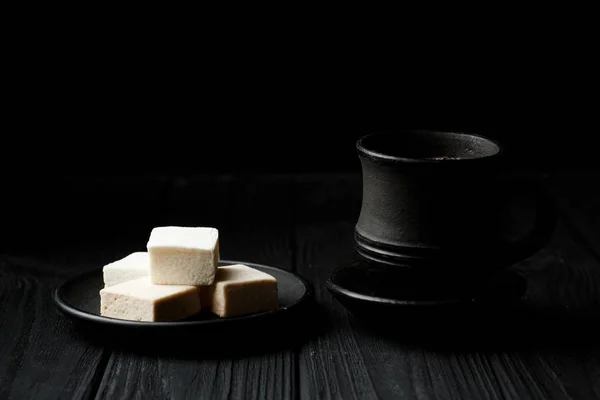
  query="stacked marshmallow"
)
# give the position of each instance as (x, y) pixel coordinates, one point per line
(178, 276)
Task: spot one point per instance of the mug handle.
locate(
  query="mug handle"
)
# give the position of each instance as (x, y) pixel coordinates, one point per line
(512, 252)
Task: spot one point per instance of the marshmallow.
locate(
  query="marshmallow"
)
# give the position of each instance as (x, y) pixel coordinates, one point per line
(139, 300)
(183, 255)
(240, 290)
(131, 267)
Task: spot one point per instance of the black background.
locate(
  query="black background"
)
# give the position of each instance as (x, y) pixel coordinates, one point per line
(85, 98)
(86, 115)
(273, 134)
(116, 113)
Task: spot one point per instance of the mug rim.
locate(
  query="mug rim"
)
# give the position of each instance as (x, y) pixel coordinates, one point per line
(379, 156)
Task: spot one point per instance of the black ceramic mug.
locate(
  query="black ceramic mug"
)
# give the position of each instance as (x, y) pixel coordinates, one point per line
(436, 200)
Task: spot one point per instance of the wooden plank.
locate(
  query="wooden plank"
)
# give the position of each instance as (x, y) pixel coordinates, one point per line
(253, 215)
(61, 226)
(41, 356)
(135, 376)
(523, 353)
(522, 358)
(331, 365)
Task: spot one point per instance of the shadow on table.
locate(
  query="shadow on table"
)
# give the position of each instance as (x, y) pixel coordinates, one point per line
(492, 328)
(212, 343)
(497, 320)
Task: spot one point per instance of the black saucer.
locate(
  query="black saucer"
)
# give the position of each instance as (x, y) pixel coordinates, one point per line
(368, 289)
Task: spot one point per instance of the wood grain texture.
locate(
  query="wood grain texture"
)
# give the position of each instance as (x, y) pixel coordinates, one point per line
(544, 347)
(62, 227)
(331, 365)
(253, 216)
(40, 354)
(523, 353)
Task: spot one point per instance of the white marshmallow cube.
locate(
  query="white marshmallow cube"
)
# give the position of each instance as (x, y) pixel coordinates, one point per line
(183, 255)
(240, 290)
(139, 300)
(135, 265)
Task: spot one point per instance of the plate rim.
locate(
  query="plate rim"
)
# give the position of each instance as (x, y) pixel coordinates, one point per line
(79, 314)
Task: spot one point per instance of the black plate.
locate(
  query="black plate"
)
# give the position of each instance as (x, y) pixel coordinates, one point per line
(79, 299)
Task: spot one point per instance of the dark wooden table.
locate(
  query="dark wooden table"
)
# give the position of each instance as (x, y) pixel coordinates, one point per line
(55, 228)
